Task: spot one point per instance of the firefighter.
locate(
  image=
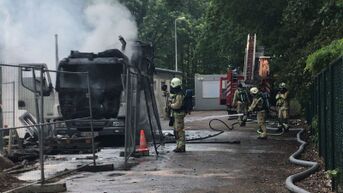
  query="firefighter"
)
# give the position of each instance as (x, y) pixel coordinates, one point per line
(178, 114)
(259, 106)
(282, 106)
(241, 101)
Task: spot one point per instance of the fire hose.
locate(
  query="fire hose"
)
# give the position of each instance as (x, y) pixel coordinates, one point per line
(314, 166)
(219, 132)
(273, 129)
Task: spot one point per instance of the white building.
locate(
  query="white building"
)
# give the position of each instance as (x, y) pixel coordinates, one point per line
(207, 92)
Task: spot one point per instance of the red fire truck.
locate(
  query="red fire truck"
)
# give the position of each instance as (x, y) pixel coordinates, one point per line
(249, 77)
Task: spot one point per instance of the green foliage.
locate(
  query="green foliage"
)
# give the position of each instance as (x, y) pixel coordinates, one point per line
(213, 36)
(155, 19)
(306, 27)
(227, 24)
(324, 56)
(333, 173)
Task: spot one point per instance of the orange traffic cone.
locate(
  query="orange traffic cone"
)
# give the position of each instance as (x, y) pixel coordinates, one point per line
(142, 149)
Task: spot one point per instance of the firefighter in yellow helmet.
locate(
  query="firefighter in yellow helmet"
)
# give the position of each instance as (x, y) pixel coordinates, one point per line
(241, 101)
(258, 106)
(178, 114)
(282, 106)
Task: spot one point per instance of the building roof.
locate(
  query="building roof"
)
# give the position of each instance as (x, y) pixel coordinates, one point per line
(264, 57)
(163, 70)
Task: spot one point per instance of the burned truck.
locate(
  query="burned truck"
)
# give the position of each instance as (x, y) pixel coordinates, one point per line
(106, 71)
(100, 73)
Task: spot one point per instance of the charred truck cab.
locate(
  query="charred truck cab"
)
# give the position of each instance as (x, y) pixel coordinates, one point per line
(105, 71)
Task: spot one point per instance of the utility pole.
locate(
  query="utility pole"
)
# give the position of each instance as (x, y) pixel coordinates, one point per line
(1, 115)
(179, 18)
(56, 50)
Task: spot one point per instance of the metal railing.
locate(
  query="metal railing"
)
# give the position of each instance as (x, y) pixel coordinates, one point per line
(37, 100)
(28, 94)
(326, 111)
(8, 109)
(141, 111)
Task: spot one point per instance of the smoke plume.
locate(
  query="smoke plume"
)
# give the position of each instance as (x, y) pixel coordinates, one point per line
(28, 28)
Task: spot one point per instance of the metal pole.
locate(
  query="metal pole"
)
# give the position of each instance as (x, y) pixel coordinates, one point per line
(1, 116)
(41, 145)
(38, 117)
(175, 45)
(91, 117)
(148, 98)
(128, 116)
(10, 132)
(56, 50)
(138, 109)
(1, 141)
(155, 110)
(13, 95)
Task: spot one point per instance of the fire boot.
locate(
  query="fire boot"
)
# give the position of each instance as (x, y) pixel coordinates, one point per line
(182, 149)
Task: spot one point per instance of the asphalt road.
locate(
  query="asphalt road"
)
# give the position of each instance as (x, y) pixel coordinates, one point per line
(252, 166)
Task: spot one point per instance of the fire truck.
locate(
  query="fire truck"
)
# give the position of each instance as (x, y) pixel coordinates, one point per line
(254, 74)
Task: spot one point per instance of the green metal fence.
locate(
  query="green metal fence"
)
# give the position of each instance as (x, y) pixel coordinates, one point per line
(327, 104)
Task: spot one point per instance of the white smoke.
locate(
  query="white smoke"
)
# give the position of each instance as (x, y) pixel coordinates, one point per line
(28, 27)
(108, 22)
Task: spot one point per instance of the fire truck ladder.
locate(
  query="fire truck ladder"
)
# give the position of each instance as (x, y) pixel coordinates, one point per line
(249, 62)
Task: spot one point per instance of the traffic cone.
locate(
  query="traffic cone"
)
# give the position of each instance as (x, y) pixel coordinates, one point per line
(142, 149)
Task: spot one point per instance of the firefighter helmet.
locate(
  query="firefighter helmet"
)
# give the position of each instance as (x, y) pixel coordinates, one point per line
(175, 82)
(254, 90)
(282, 85)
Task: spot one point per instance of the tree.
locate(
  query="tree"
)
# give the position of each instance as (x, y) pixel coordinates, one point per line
(213, 36)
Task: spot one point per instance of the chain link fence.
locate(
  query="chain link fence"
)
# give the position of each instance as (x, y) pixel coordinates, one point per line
(30, 115)
(326, 111)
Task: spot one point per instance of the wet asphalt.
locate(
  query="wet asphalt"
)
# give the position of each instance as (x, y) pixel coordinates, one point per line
(251, 166)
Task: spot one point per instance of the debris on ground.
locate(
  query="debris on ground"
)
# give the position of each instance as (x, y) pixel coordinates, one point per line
(16, 167)
(7, 181)
(319, 181)
(20, 154)
(5, 163)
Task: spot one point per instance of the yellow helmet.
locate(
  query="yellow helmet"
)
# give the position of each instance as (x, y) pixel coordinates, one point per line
(282, 85)
(175, 82)
(254, 90)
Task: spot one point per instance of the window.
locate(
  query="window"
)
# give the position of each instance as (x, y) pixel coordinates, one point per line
(223, 84)
(210, 89)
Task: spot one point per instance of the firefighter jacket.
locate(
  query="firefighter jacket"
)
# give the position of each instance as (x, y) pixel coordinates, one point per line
(240, 95)
(282, 99)
(176, 104)
(257, 104)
